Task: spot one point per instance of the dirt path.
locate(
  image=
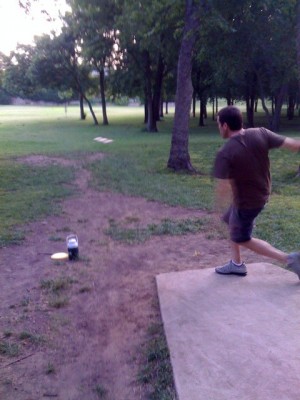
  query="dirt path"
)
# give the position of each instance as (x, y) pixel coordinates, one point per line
(108, 298)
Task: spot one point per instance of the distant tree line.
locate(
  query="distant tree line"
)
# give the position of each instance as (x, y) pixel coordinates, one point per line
(234, 49)
(243, 50)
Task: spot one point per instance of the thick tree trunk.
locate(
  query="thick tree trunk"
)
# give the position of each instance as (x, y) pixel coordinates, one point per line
(194, 104)
(151, 121)
(279, 99)
(205, 108)
(250, 103)
(274, 117)
(161, 113)
(145, 111)
(158, 88)
(202, 111)
(251, 94)
(298, 39)
(229, 98)
(102, 94)
(262, 97)
(82, 113)
(291, 107)
(83, 96)
(91, 109)
(196, 88)
(179, 158)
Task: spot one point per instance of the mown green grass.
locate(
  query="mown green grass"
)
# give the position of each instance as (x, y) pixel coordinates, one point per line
(28, 193)
(156, 373)
(132, 235)
(135, 165)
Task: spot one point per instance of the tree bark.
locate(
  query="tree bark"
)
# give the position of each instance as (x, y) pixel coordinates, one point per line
(102, 94)
(262, 97)
(250, 103)
(291, 107)
(91, 109)
(145, 110)
(161, 113)
(179, 158)
(250, 96)
(194, 104)
(158, 87)
(274, 117)
(82, 113)
(298, 39)
(202, 111)
(83, 96)
(229, 98)
(151, 121)
(279, 99)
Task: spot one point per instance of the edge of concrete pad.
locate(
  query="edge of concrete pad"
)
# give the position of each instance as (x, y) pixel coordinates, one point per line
(236, 348)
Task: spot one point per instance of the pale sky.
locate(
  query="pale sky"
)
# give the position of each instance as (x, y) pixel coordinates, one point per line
(17, 27)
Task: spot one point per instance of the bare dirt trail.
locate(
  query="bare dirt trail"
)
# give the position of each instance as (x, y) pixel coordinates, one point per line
(92, 343)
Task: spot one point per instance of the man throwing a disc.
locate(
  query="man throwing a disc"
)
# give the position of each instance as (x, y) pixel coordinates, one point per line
(242, 168)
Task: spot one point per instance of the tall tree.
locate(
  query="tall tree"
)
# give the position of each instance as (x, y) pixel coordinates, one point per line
(56, 63)
(256, 54)
(275, 55)
(148, 38)
(94, 23)
(16, 78)
(179, 158)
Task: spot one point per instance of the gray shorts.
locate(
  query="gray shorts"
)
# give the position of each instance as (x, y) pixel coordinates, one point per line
(240, 222)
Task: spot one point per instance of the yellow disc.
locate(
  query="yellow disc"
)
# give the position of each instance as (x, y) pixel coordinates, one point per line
(60, 256)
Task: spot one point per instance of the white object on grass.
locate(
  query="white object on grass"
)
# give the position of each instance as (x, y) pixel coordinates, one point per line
(103, 140)
(60, 256)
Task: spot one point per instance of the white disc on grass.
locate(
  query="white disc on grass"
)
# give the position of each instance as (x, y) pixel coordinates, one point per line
(60, 256)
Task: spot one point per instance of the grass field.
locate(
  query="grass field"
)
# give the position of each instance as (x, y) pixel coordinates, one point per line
(136, 165)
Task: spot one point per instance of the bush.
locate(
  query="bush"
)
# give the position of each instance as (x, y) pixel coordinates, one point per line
(5, 99)
(121, 101)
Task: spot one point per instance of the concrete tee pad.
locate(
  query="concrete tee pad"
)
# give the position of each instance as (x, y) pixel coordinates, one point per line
(230, 337)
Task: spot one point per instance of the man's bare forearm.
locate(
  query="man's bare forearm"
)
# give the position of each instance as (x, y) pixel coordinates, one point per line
(291, 144)
(223, 195)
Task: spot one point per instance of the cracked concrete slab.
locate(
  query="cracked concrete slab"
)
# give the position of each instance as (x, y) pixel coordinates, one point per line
(230, 337)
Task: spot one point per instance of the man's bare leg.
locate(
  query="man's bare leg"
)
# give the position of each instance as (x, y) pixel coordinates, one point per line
(235, 253)
(265, 249)
(235, 266)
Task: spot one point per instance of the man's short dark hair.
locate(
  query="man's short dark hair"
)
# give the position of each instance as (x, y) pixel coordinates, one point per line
(232, 116)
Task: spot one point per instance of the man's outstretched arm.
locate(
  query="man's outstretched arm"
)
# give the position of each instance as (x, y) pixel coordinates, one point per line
(291, 144)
